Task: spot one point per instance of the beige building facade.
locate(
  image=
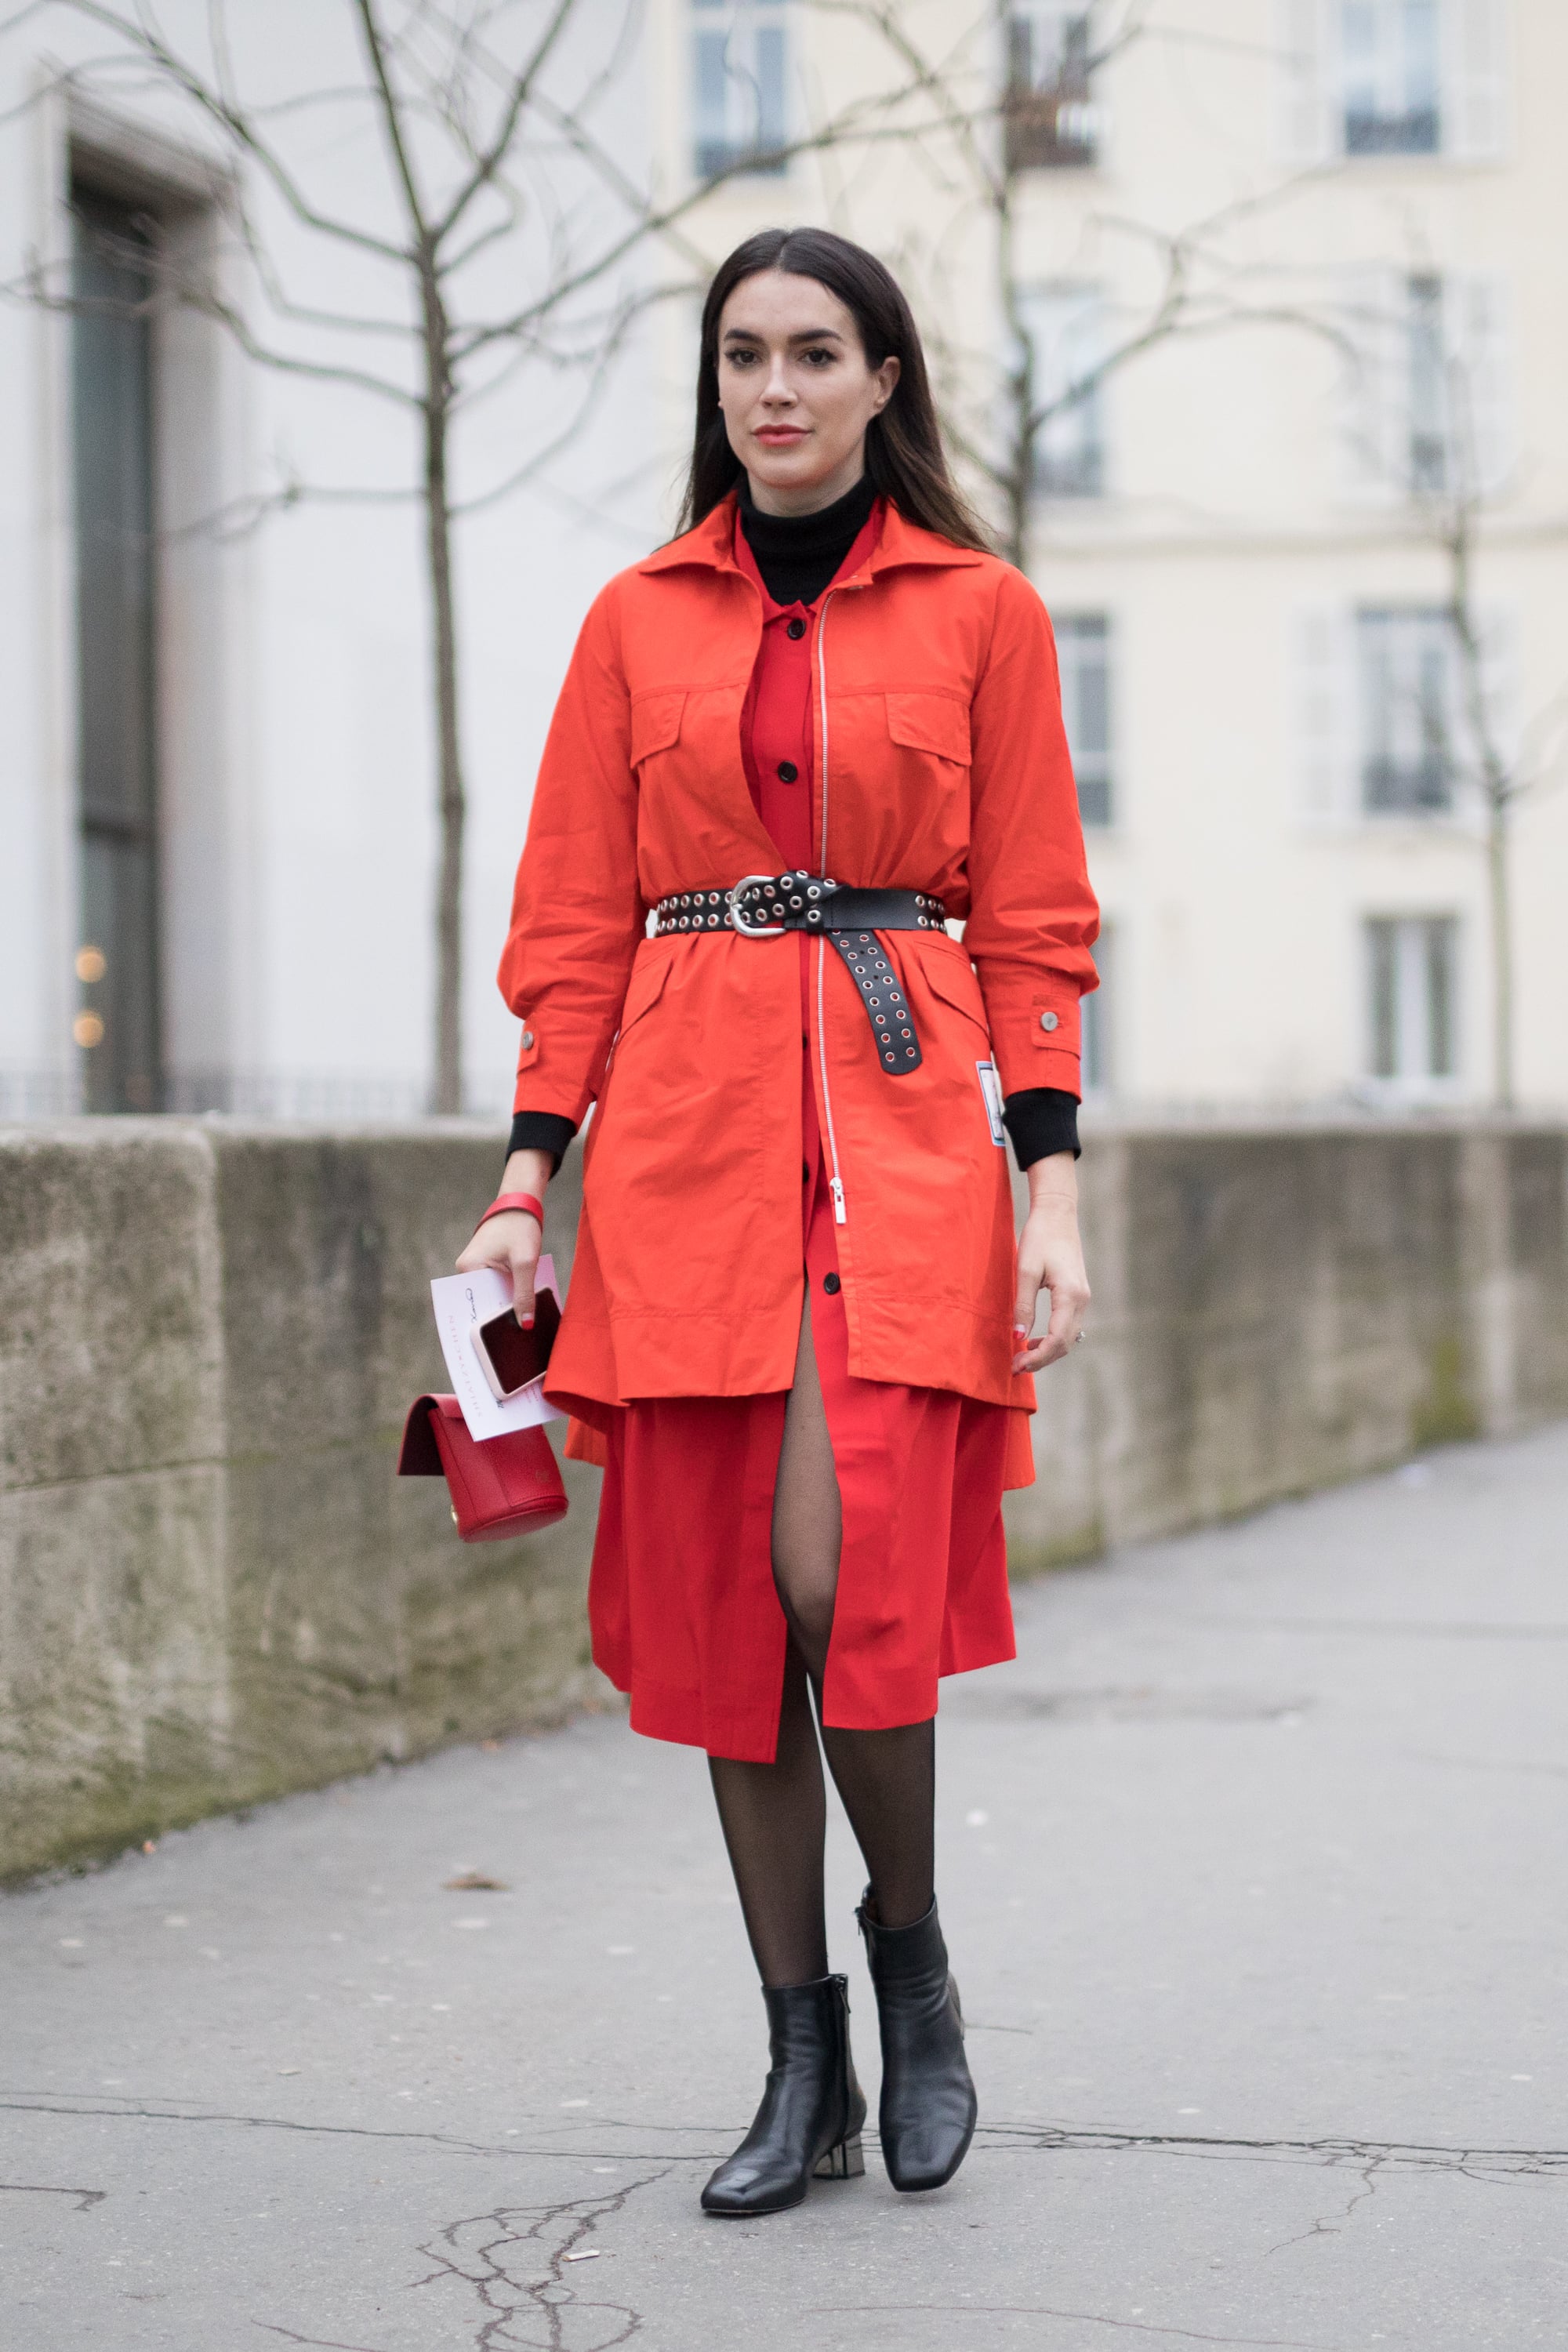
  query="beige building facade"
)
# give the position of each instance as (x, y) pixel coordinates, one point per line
(1288, 278)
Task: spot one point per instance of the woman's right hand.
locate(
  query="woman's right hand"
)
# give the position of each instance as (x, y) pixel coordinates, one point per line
(512, 1241)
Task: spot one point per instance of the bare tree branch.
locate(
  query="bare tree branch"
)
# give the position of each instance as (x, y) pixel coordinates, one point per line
(512, 115)
(237, 125)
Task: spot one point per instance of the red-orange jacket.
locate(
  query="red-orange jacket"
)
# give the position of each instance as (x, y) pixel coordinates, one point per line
(940, 765)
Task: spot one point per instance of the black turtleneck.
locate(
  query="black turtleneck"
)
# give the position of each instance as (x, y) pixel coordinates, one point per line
(798, 555)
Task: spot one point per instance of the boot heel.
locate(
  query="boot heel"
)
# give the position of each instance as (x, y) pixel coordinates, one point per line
(845, 2162)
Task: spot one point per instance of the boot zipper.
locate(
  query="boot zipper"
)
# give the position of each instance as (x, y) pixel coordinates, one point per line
(835, 1180)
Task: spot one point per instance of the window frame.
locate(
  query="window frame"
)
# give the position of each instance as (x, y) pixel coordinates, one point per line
(1424, 946)
(1414, 622)
(728, 154)
(1075, 629)
(1050, 120)
(1082, 306)
(1391, 17)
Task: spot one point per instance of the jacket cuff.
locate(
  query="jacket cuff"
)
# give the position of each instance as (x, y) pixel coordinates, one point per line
(1041, 1121)
(541, 1131)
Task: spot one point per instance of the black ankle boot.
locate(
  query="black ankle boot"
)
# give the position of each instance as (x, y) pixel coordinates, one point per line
(812, 2111)
(929, 2108)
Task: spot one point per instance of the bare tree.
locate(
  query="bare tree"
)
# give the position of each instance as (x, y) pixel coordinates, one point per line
(481, 141)
(997, 115)
(1478, 751)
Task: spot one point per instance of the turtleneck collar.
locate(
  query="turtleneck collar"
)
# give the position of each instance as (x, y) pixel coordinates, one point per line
(798, 555)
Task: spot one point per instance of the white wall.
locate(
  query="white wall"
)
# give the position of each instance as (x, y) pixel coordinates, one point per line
(297, 786)
(1239, 950)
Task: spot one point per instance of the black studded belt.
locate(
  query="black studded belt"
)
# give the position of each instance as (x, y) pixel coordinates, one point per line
(762, 906)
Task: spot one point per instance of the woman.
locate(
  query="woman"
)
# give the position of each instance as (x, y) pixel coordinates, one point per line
(798, 1332)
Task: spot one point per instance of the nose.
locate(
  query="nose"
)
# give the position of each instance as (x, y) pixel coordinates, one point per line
(778, 391)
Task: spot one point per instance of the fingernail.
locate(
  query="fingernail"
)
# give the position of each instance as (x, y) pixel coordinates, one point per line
(526, 1322)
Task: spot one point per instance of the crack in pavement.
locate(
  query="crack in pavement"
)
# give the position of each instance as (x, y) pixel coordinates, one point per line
(1089, 2318)
(1405, 2156)
(478, 2250)
(1329, 2225)
(85, 2197)
(1473, 2160)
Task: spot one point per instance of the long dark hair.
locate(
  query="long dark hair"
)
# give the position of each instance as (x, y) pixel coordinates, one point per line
(904, 455)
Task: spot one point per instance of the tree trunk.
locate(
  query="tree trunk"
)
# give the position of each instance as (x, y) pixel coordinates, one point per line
(1502, 953)
(446, 1091)
(1018, 469)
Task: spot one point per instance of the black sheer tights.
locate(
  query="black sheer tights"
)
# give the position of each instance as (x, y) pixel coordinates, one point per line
(775, 1815)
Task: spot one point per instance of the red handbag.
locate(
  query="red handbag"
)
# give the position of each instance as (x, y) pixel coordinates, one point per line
(507, 1487)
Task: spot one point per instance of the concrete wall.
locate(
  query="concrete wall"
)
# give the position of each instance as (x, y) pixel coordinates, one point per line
(211, 1586)
(212, 1589)
(1279, 1307)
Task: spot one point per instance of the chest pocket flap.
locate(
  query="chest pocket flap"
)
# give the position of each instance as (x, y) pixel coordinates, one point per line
(656, 721)
(931, 722)
(951, 975)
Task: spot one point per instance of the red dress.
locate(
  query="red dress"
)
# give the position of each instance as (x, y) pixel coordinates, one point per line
(684, 1613)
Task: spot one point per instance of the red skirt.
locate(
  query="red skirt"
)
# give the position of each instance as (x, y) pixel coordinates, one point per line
(681, 1602)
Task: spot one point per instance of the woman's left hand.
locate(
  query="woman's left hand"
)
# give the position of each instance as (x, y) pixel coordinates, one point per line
(1050, 1258)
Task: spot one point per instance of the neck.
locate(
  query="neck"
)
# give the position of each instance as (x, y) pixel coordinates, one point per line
(771, 498)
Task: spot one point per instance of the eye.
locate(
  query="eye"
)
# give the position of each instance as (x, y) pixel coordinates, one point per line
(822, 354)
(740, 357)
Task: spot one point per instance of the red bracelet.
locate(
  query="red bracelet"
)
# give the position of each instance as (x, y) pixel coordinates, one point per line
(504, 1201)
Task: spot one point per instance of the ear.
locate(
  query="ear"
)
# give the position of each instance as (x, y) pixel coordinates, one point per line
(887, 378)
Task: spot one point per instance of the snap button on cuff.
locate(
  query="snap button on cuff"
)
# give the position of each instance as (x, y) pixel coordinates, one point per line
(1050, 1021)
(527, 1039)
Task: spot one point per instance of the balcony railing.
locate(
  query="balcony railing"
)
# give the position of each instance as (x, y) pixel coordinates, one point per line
(1053, 129)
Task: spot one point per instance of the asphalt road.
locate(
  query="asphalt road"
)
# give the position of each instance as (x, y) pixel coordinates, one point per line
(1253, 1869)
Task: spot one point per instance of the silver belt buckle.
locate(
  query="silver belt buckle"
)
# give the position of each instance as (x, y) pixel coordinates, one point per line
(737, 920)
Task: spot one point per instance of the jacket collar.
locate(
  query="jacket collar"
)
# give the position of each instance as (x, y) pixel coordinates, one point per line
(902, 544)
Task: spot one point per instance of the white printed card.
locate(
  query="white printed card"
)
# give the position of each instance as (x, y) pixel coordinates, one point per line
(463, 1300)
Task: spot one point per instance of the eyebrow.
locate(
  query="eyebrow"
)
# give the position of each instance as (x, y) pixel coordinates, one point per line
(808, 335)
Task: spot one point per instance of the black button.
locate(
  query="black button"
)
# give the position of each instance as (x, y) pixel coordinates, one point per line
(831, 1284)
(795, 628)
(788, 771)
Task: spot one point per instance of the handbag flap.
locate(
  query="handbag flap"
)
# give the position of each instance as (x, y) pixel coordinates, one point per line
(419, 1457)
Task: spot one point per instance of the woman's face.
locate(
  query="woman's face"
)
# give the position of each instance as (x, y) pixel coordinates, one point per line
(796, 392)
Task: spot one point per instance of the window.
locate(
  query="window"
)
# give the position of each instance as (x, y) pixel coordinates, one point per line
(1083, 650)
(1428, 411)
(1428, 398)
(1048, 116)
(1065, 325)
(1390, 78)
(1411, 962)
(738, 60)
(1405, 665)
(117, 1024)
(1096, 1069)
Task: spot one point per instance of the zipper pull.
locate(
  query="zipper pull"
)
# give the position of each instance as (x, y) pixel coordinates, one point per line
(835, 1186)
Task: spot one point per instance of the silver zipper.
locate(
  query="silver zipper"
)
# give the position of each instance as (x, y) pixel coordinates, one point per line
(835, 1181)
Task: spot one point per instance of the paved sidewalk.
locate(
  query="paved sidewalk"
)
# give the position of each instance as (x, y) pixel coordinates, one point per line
(1253, 1868)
